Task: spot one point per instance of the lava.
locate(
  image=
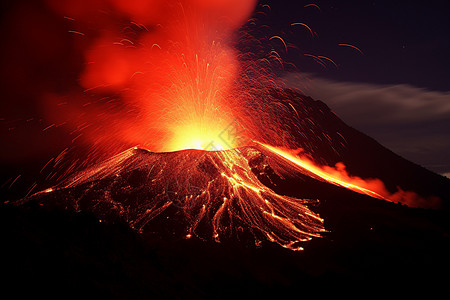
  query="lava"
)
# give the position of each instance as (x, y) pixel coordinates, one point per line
(207, 194)
(334, 176)
(338, 176)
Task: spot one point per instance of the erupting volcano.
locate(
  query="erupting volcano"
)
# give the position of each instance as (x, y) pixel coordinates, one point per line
(222, 195)
(212, 195)
(186, 139)
(179, 86)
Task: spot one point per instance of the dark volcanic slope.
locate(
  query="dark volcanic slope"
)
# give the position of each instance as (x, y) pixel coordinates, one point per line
(316, 129)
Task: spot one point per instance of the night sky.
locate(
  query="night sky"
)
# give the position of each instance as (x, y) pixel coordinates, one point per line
(396, 90)
(404, 42)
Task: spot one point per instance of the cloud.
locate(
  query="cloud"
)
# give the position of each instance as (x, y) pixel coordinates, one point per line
(408, 120)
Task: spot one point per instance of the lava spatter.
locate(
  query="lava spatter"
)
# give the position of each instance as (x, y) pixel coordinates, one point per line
(212, 195)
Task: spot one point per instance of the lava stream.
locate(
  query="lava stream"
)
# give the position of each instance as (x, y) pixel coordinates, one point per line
(331, 175)
(372, 187)
(207, 194)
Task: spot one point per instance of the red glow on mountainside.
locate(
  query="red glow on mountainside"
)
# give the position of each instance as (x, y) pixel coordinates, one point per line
(372, 187)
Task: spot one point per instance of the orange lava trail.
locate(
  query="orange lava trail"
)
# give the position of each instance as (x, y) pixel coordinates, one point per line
(323, 174)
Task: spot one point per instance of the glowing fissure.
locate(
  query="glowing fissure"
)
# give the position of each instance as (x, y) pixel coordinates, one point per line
(372, 187)
(214, 193)
(286, 220)
(331, 175)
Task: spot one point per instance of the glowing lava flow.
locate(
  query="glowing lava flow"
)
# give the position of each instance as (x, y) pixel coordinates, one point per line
(206, 194)
(292, 220)
(334, 176)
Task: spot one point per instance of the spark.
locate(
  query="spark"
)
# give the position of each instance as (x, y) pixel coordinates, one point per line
(351, 46)
(304, 25)
(48, 127)
(329, 59)
(76, 32)
(312, 5)
(317, 59)
(33, 186)
(42, 169)
(14, 181)
(281, 39)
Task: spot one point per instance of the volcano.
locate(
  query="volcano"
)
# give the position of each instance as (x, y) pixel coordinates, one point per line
(190, 193)
(212, 222)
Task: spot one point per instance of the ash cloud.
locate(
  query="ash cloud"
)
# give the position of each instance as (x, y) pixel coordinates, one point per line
(408, 120)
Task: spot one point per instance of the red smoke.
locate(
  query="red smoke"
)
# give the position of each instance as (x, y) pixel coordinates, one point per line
(166, 66)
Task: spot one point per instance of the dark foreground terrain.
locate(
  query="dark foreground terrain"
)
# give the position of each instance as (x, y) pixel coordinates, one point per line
(50, 248)
(374, 244)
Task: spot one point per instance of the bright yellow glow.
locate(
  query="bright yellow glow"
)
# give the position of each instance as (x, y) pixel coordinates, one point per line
(211, 137)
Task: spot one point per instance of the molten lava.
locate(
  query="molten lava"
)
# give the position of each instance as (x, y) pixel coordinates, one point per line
(338, 176)
(207, 194)
(331, 175)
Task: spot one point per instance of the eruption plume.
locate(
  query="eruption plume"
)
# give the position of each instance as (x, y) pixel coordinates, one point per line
(172, 69)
